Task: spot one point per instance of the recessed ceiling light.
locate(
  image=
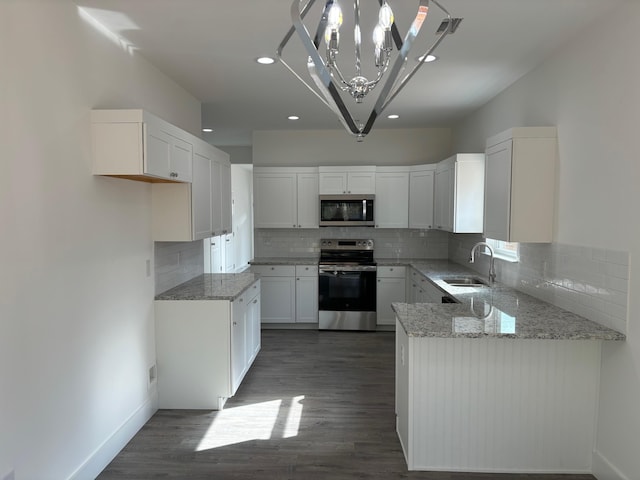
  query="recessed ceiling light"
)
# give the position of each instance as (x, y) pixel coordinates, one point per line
(207, 130)
(265, 60)
(393, 116)
(293, 117)
(430, 58)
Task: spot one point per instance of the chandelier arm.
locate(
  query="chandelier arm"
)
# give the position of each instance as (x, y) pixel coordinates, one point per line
(413, 71)
(398, 65)
(336, 69)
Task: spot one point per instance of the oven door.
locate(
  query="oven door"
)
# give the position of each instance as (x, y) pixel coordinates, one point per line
(347, 297)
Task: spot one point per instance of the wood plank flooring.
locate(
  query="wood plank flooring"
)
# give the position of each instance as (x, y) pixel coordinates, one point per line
(315, 405)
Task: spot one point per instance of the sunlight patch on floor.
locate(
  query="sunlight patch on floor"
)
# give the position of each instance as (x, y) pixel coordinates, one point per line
(260, 421)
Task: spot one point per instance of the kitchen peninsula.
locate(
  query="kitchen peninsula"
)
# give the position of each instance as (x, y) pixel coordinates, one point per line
(499, 382)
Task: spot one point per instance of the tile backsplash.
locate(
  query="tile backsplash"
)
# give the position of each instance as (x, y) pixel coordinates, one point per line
(389, 243)
(177, 262)
(591, 282)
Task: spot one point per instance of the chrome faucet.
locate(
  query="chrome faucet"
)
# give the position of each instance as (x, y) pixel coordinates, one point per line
(472, 259)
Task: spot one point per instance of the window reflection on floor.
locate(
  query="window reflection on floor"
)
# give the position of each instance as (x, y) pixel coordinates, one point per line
(259, 421)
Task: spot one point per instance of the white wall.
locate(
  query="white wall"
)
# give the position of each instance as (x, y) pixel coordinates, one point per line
(590, 89)
(76, 306)
(337, 147)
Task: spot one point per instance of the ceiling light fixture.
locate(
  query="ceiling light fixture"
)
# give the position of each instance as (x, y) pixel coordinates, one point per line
(265, 60)
(393, 116)
(331, 86)
(426, 58)
(207, 130)
(293, 117)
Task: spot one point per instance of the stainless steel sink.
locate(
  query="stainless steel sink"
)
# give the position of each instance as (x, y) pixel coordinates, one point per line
(465, 282)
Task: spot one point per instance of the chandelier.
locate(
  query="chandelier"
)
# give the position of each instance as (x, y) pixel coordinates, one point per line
(344, 95)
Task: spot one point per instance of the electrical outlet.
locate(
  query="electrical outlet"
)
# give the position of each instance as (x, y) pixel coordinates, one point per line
(153, 375)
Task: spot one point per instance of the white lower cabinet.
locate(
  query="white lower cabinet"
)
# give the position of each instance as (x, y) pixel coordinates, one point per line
(421, 290)
(204, 348)
(289, 293)
(306, 294)
(278, 292)
(391, 288)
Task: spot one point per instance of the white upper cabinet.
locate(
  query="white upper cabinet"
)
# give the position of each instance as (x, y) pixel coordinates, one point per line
(392, 197)
(347, 180)
(137, 145)
(459, 193)
(285, 197)
(421, 182)
(183, 212)
(520, 183)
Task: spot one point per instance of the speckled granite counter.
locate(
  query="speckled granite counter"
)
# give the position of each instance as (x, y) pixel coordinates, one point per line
(496, 311)
(285, 261)
(211, 286)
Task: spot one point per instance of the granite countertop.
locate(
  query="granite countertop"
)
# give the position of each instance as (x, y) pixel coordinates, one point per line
(491, 311)
(211, 286)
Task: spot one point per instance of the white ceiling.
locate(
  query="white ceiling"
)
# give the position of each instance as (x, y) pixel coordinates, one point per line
(209, 47)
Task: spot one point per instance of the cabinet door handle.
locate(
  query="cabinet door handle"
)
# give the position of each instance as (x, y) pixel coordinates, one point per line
(235, 323)
(173, 174)
(255, 301)
(241, 300)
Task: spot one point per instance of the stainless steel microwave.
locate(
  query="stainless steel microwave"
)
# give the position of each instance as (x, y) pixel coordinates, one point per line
(347, 210)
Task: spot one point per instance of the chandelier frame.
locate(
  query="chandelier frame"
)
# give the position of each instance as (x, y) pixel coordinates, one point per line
(328, 87)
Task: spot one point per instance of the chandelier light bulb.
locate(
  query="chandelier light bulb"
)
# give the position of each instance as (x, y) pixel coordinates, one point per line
(378, 36)
(334, 17)
(385, 16)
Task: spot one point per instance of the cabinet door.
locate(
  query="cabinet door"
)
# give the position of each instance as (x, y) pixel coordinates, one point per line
(201, 196)
(307, 299)
(392, 200)
(421, 199)
(239, 364)
(157, 152)
(444, 199)
(308, 200)
(277, 299)
(333, 183)
(361, 182)
(389, 290)
(229, 257)
(497, 191)
(180, 165)
(253, 328)
(275, 200)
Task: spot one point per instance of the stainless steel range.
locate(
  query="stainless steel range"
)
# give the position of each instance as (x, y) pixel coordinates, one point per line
(347, 285)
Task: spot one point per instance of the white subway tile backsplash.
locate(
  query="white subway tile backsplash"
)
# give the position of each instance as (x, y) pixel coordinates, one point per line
(177, 262)
(592, 282)
(389, 243)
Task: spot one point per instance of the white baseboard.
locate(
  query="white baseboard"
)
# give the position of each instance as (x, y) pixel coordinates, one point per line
(603, 469)
(107, 451)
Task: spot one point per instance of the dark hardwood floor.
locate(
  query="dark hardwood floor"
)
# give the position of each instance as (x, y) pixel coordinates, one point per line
(315, 405)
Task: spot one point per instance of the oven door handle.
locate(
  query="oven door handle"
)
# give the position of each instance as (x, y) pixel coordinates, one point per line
(346, 268)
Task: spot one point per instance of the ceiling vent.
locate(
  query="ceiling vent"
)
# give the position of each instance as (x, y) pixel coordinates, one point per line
(445, 24)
